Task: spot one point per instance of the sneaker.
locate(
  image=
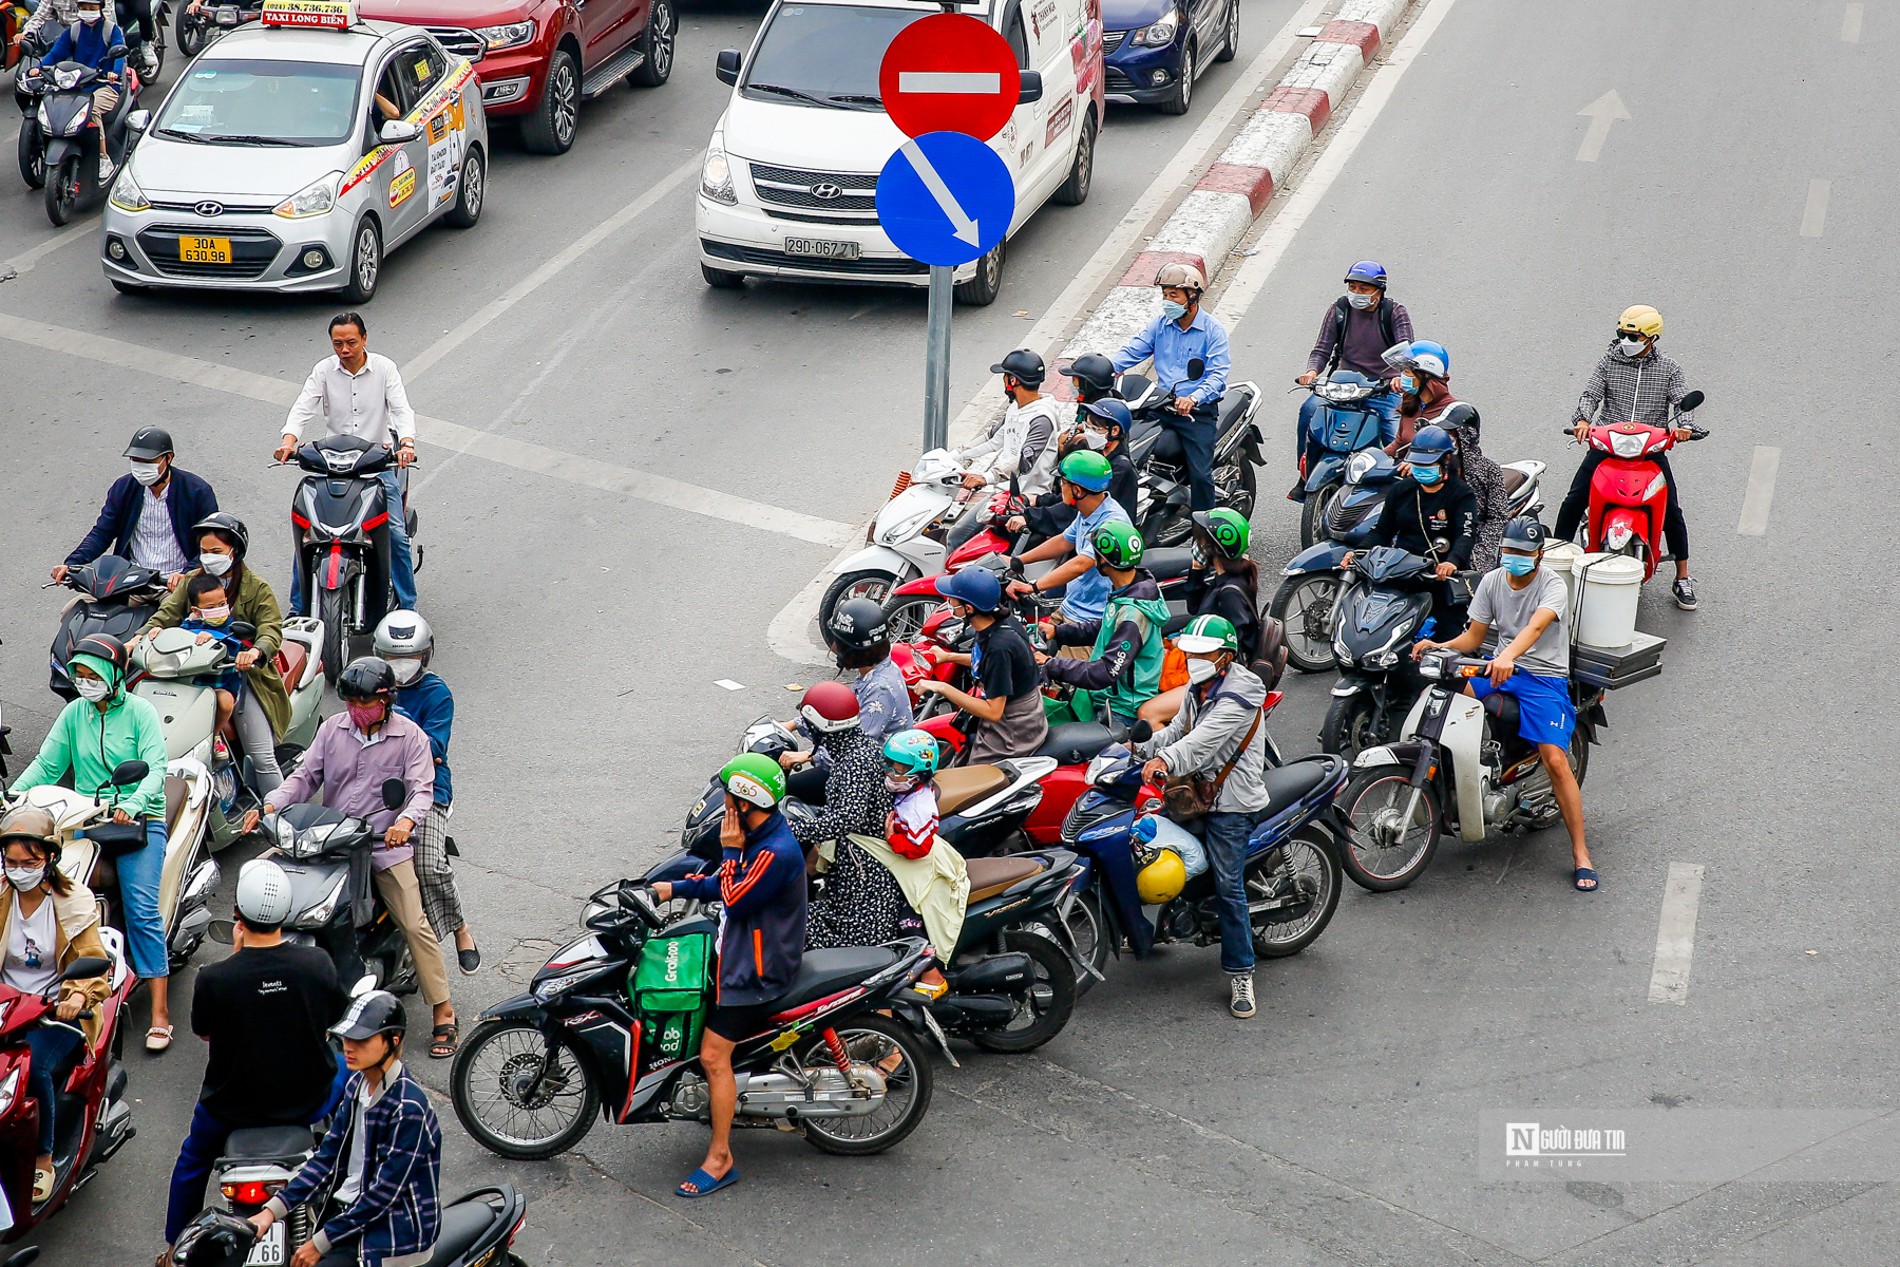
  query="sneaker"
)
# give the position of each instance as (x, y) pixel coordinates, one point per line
(1240, 1002)
(1684, 590)
(106, 168)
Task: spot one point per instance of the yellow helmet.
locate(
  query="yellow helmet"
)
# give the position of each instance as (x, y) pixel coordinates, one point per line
(1640, 319)
(1162, 879)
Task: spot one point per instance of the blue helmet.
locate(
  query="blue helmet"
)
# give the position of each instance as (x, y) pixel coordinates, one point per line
(1429, 445)
(1369, 271)
(1429, 358)
(973, 585)
(1113, 412)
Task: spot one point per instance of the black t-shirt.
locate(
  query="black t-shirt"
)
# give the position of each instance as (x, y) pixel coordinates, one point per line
(1413, 516)
(1009, 670)
(265, 1011)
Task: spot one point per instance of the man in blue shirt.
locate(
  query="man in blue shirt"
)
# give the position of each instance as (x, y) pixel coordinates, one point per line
(1180, 334)
(92, 42)
(1085, 477)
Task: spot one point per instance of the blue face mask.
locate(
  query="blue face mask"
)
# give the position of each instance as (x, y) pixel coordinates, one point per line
(1408, 383)
(1519, 564)
(1173, 311)
(1427, 474)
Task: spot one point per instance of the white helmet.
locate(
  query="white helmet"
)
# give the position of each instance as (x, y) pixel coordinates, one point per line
(406, 641)
(263, 894)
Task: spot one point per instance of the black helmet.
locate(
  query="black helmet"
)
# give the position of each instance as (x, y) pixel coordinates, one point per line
(1094, 375)
(105, 647)
(226, 525)
(371, 1013)
(214, 1239)
(1526, 532)
(149, 444)
(366, 678)
(858, 624)
(1022, 365)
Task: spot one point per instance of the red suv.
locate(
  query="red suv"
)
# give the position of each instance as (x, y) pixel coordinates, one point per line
(537, 60)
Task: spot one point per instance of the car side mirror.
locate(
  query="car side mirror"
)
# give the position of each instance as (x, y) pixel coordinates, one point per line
(1196, 368)
(130, 773)
(1692, 402)
(727, 66)
(85, 969)
(398, 131)
(138, 120)
(1030, 89)
(394, 793)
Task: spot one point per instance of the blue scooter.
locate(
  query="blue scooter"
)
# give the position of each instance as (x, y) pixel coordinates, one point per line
(1309, 590)
(1343, 420)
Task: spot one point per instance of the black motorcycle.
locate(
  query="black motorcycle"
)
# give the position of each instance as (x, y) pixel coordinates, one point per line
(477, 1229)
(66, 136)
(212, 22)
(116, 597)
(1164, 514)
(1013, 977)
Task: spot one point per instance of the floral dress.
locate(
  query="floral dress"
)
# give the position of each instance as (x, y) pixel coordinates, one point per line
(862, 904)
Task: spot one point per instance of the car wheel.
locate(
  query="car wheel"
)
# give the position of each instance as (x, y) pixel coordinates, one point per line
(1075, 190)
(720, 279)
(366, 264)
(1182, 97)
(1230, 41)
(470, 190)
(982, 289)
(32, 154)
(551, 128)
(657, 43)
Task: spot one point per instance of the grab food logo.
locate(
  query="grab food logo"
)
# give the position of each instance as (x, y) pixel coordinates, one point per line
(672, 963)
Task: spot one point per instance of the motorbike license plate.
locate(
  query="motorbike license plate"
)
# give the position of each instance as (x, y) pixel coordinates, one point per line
(269, 1250)
(819, 248)
(195, 250)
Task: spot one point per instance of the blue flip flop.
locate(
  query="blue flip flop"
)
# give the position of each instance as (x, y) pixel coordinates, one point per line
(705, 1185)
(1585, 873)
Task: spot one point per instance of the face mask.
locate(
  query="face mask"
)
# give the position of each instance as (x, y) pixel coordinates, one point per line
(26, 878)
(215, 615)
(1173, 311)
(1427, 474)
(892, 783)
(146, 473)
(1408, 383)
(1630, 347)
(89, 16)
(1519, 564)
(1094, 441)
(407, 671)
(1361, 302)
(91, 688)
(215, 564)
(363, 716)
(1200, 671)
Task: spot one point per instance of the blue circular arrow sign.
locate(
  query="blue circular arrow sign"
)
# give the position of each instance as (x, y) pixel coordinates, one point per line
(945, 198)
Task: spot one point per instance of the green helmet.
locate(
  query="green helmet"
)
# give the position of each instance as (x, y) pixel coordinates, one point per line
(1118, 544)
(1227, 529)
(1088, 469)
(914, 750)
(1206, 634)
(755, 779)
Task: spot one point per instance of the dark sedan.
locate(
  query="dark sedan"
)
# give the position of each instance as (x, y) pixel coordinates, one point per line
(1158, 48)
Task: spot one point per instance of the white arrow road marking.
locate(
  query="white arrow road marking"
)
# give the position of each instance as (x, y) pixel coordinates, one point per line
(973, 82)
(962, 227)
(1602, 113)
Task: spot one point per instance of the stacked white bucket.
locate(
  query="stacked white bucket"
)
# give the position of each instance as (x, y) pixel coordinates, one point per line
(1601, 591)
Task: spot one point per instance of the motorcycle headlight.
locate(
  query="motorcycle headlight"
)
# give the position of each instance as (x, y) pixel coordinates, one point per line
(1627, 444)
(319, 915)
(65, 80)
(46, 125)
(908, 526)
(545, 990)
(1160, 35)
(1359, 463)
(1341, 654)
(1381, 659)
(126, 194)
(314, 199)
(507, 35)
(715, 177)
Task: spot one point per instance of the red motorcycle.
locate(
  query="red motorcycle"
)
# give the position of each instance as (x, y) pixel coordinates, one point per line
(1628, 495)
(94, 1118)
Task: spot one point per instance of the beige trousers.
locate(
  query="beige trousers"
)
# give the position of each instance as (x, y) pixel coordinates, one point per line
(104, 101)
(402, 894)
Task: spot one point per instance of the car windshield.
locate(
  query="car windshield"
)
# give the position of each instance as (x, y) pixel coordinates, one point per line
(824, 55)
(262, 103)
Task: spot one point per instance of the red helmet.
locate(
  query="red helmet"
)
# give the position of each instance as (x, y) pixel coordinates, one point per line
(829, 707)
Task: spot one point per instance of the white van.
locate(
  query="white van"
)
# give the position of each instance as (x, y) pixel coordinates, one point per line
(789, 184)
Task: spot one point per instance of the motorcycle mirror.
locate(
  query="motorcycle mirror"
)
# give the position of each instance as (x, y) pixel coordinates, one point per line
(1691, 402)
(243, 630)
(138, 121)
(86, 968)
(222, 931)
(394, 793)
(1141, 731)
(364, 984)
(115, 52)
(1196, 368)
(129, 773)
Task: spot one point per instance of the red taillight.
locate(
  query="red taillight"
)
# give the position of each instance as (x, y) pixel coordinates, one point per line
(1273, 701)
(516, 1229)
(299, 520)
(253, 1193)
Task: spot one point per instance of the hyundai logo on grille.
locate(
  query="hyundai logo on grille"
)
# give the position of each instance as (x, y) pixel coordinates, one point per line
(827, 191)
(209, 208)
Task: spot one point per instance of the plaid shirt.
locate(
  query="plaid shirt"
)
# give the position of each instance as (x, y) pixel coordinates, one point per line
(1631, 389)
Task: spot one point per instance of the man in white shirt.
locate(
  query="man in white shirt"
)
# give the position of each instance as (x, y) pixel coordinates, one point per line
(359, 393)
(1022, 443)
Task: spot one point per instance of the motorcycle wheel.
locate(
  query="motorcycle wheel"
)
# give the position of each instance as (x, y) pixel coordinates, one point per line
(62, 190)
(190, 31)
(905, 616)
(1247, 490)
(1304, 605)
(32, 155)
(1089, 928)
(873, 1039)
(334, 612)
(1352, 725)
(490, 1072)
(1313, 513)
(1373, 802)
(876, 586)
(1309, 863)
(1051, 998)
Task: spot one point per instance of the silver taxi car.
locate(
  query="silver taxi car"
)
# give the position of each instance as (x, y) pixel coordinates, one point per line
(294, 154)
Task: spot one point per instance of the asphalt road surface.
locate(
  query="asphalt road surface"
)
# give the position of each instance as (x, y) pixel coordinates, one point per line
(586, 610)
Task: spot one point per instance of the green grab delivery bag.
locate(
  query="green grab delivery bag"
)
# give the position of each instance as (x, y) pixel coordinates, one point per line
(670, 989)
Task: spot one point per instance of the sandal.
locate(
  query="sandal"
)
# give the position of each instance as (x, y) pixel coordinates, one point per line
(442, 1041)
(1585, 880)
(158, 1039)
(702, 1184)
(43, 1180)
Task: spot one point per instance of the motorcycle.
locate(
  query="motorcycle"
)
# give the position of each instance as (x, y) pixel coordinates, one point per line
(611, 1028)
(478, 1229)
(116, 597)
(1460, 764)
(342, 535)
(93, 1116)
(1345, 425)
(1163, 511)
(1013, 975)
(198, 31)
(1628, 496)
(68, 137)
(178, 676)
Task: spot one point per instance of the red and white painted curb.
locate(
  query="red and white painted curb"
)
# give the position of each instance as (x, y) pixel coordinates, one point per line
(1230, 195)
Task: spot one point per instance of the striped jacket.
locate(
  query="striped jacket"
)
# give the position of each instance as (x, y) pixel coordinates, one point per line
(1631, 389)
(762, 937)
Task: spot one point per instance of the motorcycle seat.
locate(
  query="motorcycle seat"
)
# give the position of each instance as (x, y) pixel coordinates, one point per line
(1166, 564)
(1075, 742)
(1297, 780)
(991, 876)
(462, 1225)
(829, 971)
(1502, 705)
(285, 1144)
(1514, 479)
(963, 786)
(292, 659)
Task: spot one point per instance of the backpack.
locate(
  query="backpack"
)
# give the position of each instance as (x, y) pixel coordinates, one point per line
(1341, 308)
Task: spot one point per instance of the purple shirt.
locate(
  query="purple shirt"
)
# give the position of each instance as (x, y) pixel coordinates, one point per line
(350, 774)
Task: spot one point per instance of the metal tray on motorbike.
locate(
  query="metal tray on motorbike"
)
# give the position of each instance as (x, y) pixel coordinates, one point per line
(1612, 668)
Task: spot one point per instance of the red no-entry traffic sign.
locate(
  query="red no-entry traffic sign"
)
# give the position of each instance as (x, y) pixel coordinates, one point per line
(949, 73)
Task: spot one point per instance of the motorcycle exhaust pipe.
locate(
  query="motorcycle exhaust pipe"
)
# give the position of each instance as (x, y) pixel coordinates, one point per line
(1007, 973)
(985, 1011)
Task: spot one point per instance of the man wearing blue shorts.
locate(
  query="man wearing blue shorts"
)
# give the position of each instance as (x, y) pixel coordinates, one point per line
(1526, 604)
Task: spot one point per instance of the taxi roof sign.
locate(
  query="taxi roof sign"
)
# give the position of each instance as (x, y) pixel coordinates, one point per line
(333, 15)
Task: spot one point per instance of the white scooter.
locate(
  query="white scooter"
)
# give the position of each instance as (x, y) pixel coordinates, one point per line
(900, 546)
(178, 675)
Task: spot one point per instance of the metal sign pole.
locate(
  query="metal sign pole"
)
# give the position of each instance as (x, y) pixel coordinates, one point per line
(937, 360)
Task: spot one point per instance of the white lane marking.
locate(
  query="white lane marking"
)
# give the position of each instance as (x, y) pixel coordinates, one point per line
(975, 82)
(1291, 218)
(1814, 215)
(439, 432)
(729, 684)
(1761, 491)
(421, 364)
(1675, 934)
(25, 260)
(1850, 23)
(1603, 114)
(962, 227)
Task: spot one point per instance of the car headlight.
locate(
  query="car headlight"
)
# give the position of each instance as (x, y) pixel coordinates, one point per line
(507, 35)
(715, 178)
(314, 199)
(1159, 35)
(126, 194)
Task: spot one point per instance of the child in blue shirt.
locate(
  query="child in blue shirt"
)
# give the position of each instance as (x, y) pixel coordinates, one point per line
(209, 617)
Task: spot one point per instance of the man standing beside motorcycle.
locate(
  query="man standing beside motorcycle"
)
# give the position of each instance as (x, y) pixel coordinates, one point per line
(1085, 481)
(149, 511)
(1019, 445)
(1634, 383)
(1125, 664)
(93, 46)
(1008, 719)
(1525, 603)
(1182, 333)
(1218, 737)
(1354, 334)
(357, 392)
(760, 884)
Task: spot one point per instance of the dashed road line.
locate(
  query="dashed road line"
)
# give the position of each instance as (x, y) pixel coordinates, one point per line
(1675, 934)
(25, 260)
(1814, 215)
(1761, 491)
(1850, 23)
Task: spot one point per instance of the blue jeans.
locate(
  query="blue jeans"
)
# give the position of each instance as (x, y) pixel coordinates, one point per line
(1226, 838)
(139, 875)
(48, 1047)
(402, 570)
(1306, 445)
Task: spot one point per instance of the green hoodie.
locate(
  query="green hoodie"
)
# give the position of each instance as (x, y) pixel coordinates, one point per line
(92, 743)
